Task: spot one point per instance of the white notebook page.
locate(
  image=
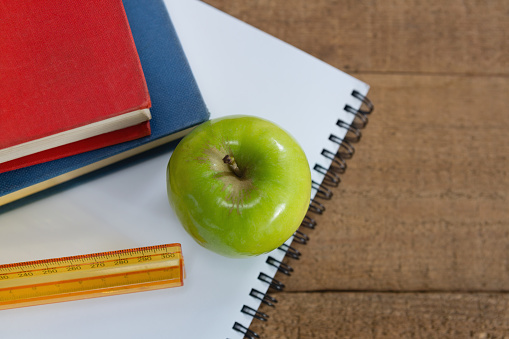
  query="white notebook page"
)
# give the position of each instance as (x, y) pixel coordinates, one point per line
(240, 70)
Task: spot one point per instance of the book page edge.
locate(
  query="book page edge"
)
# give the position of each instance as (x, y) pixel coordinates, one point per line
(76, 134)
(24, 192)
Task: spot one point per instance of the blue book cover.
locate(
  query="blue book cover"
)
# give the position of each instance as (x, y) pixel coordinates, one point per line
(177, 105)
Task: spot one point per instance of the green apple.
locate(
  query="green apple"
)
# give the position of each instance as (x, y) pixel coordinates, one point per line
(239, 185)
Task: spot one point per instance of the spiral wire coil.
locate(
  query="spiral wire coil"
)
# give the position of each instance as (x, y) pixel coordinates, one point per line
(323, 192)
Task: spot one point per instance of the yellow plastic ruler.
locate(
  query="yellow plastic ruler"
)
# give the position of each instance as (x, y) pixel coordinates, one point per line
(91, 275)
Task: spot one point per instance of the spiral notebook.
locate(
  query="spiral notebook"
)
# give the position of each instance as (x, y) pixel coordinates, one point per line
(240, 70)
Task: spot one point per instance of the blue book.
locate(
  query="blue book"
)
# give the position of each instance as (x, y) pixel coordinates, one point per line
(177, 105)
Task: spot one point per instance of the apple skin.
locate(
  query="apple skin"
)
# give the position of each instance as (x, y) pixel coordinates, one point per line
(239, 216)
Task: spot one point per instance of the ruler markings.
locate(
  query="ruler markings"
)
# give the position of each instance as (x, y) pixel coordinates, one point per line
(92, 275)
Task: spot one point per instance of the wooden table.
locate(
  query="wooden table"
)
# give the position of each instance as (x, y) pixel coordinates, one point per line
(415, 242)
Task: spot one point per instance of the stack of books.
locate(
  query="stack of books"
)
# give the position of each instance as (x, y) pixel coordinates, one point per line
(87, 84)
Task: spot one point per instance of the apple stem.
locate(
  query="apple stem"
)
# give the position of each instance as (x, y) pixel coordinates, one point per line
(233, 165)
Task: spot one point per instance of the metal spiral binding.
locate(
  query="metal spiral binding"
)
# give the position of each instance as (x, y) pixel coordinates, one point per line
(338, 163)
(248, 334)
(254, 313)
(300, 237)
(360, 120)
(316, 207)
(331, 179)
(266, 299)
(353, 134)
(275, 284)
(356, 94)
(308, 222)
(346, 150)
(281, 266)
(290, 251)
(321, 191)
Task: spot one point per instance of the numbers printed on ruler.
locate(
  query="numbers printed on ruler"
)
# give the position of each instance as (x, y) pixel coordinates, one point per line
(93, 275)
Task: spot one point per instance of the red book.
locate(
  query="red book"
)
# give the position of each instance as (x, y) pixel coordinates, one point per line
(71, 80)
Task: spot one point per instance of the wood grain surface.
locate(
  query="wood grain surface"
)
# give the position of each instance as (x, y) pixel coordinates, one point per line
(415, 241)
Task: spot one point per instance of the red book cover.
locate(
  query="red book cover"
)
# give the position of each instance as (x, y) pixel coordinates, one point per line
(65, 65)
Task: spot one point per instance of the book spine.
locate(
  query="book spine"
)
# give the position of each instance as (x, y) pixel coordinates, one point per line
(323, 192)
